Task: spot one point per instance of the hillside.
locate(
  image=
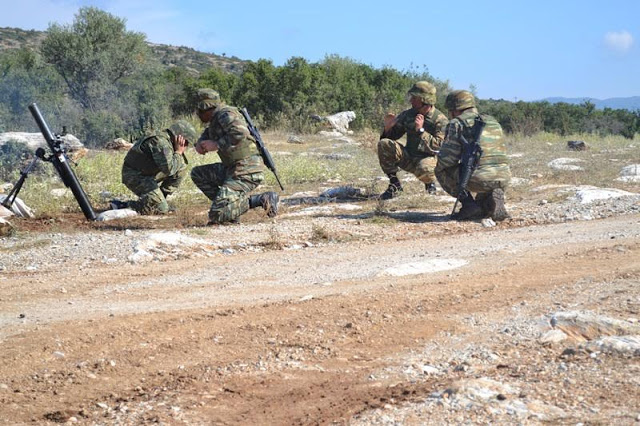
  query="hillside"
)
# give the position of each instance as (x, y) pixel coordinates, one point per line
(632, 103)
(15, 38)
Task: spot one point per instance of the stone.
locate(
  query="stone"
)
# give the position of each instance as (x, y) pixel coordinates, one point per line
(565, 164)
(118, 144)
(116, 214)
(577, 146)
(630, 174)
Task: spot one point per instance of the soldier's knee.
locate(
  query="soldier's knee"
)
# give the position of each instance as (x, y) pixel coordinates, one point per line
(385, 145)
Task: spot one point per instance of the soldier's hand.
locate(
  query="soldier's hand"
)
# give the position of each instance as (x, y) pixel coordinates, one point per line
(179, 144)
(205, 146)
(419, 122)
(389, 121)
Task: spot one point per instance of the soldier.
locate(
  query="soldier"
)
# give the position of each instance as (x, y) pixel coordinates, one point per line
(424, 126)
(492, 174)
(154, 167)
(228, 184)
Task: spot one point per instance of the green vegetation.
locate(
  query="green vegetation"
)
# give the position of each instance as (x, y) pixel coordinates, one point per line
(102, 81)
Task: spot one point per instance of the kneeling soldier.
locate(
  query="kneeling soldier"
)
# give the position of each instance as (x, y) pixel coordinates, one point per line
(154, 167)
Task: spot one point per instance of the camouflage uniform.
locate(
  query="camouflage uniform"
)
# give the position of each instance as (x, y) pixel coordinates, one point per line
(228, 183)
(492, 171)
(152, 170)
(418, 155)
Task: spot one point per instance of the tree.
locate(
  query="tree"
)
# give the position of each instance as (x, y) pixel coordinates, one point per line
(93, 54)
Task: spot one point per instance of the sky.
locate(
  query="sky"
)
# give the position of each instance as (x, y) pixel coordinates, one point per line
(514, 50)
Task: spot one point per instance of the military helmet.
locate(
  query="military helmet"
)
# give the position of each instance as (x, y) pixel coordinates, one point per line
(184, 128)
(207, 99)
(425, 91)
(459, 100)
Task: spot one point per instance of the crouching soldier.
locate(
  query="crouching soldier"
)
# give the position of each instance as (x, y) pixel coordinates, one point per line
(228, 184)
(492, 174)
(154, 168)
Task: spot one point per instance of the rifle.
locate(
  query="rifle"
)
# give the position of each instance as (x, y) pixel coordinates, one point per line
(60, 161)
(264, 153)
(471, 152)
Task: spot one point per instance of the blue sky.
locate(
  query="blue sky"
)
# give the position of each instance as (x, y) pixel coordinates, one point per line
(524, 50)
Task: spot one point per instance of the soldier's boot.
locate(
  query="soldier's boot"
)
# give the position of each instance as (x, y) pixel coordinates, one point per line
(267, 200)
(494, 206)
(431, 188)
(470, 210)
(393, 189)
(117, 204)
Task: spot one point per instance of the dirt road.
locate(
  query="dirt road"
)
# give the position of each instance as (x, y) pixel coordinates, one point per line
(375, 330)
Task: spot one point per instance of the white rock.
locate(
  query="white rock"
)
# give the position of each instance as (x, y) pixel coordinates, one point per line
(589, 195)
(630, 173)
(625, 345)
(19, 208)
(424, 267)
(553, 336)
(565, 164)
(116, 214)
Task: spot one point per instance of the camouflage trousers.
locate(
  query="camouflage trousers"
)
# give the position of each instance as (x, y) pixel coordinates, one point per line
(228, 192)
(151, 190)
(393, 156)
(448, 179)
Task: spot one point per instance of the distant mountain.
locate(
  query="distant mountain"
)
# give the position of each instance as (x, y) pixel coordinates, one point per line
(631, 103)
(15, 38)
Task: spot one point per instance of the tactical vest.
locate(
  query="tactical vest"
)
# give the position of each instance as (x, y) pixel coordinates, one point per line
(139, 157)
(491, 140)
(230, 154)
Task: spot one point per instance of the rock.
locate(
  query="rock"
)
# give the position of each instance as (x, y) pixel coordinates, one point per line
(295, 139)
(116, 214)
(5, 212)
(34, 141)
(553, 336)
(590, 194)
(118, 144)
(427, 266)
(342, 192)
(340, 121)
(19, 208)
(6, 228)
(565, 164)
(623, 345)
(577, 145)
(587, 326)
(630, 174)
(488, 223)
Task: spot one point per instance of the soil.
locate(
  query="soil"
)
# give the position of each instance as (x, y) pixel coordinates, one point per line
(315, 320)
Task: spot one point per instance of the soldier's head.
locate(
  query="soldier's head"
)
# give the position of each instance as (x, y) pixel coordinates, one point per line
(185, 129)
(422, 93)
(458, 101)
(207, 101)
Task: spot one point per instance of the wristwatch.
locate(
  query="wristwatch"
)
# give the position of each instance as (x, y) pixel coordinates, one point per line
(421, 130)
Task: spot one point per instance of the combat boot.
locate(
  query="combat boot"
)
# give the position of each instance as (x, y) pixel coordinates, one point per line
(267, 200)
(393, 189)
(494, 206)
(470, 210)
(431, 188)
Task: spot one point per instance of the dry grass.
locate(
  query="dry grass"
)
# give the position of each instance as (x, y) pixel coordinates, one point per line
(318, 163)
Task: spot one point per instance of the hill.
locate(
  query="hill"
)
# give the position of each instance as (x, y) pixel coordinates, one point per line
(631, 103)
(15, 38)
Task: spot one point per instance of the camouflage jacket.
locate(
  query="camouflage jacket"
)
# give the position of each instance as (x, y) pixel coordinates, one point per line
(153, 154)
(229, 128)
(493, 164)
(424, 144)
